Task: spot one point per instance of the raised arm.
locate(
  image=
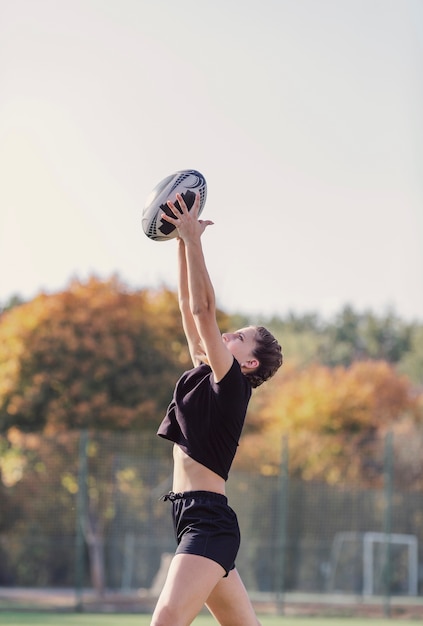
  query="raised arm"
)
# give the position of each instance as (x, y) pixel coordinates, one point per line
(201, 297)
(190, 329)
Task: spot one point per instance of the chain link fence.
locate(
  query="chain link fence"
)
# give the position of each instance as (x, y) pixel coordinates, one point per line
(82, 510)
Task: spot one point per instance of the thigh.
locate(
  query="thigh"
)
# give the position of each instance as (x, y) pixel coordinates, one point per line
(229, 602)
(188, 585)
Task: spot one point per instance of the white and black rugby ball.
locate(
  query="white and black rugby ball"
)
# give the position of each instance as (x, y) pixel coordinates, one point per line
(188, 183)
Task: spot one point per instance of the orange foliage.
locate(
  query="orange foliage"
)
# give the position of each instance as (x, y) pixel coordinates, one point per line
(335, 419)
(321, 399)
(94, 355)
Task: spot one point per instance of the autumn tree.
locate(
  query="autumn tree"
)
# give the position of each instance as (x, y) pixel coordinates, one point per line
(39, 491)
(94, 355)
(335, 419)
(36, 503)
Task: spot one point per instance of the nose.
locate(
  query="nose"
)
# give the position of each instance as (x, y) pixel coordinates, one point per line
(227, 336)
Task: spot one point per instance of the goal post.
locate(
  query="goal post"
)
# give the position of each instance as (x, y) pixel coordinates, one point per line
(358, 560)
(371, 540)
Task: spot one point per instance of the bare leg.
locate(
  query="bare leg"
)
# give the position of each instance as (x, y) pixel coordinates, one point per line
(229, 602)
(189, 583)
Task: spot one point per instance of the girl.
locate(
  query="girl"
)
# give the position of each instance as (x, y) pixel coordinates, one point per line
(204, 421)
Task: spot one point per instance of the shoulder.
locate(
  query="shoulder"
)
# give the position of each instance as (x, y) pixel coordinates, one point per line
(233, 381)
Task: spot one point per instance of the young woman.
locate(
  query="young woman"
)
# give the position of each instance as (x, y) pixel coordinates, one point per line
(204, 421)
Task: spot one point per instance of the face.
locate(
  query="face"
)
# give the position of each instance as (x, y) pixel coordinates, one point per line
(241, 344)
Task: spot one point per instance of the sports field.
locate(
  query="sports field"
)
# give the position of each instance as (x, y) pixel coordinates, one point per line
(85, 619)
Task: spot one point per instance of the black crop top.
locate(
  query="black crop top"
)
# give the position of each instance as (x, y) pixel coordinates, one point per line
(205, 418)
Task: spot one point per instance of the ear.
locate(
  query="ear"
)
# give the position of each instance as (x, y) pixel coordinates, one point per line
(251, 364)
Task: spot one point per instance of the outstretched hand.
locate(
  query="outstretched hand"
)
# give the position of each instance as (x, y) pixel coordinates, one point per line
(188, 225)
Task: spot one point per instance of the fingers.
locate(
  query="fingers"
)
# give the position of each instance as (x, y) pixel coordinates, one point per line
(196, 206)
(174, 210)
(183, 208)
(186, 222)
(182, 204)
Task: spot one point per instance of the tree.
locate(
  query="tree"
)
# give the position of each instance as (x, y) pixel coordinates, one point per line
(39, 512)
(358, 336)
(94, 355)
(13, 301)
(411, 362)
(335, 419)
(349, 337)
(34, 470)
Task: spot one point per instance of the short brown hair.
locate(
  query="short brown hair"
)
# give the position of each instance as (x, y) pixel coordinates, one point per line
(268, 352)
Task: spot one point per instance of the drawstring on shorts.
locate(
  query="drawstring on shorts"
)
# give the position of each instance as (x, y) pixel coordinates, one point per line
(206, 496)
(172, 496)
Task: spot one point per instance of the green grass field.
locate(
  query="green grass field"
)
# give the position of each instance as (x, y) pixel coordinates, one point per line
(86, 619)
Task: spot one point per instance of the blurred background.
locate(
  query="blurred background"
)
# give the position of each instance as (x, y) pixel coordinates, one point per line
(305, 118)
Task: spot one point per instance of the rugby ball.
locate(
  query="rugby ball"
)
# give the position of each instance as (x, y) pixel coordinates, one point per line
(188, 183)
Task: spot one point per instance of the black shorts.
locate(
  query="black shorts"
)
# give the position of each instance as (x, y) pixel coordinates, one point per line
(205, 525)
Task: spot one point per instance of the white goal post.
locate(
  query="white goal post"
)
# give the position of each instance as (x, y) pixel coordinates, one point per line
(368, 541)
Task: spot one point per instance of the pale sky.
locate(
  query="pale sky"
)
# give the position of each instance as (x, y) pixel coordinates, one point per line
(305, 116)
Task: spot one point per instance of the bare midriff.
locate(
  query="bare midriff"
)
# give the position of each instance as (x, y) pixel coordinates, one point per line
(189, 475)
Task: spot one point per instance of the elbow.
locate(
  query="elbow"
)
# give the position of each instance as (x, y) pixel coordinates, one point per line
(202, 308)
(184, 304)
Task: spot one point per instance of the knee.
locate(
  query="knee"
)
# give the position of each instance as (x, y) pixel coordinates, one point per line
(165, 616)
(161, 617)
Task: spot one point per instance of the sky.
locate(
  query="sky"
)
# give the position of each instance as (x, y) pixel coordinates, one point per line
(305, 117)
